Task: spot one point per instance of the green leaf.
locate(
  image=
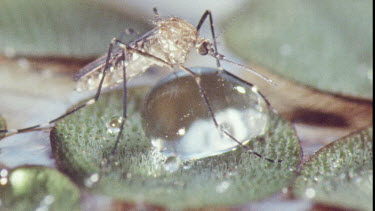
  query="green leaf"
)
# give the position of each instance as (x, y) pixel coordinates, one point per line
(82, 145)
(2, 126)
(323, 44)
(341, 173)
(33, 187)
(72, 28)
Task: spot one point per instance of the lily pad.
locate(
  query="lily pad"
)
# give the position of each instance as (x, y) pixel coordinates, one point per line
(323, 44)
(37, 188)
(2, 126)
(138, 173)
(340, 174)
(71, 28)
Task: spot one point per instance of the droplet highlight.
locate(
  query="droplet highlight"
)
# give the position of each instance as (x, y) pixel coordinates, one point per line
(113, 126)
(310, 193)
(91, 180)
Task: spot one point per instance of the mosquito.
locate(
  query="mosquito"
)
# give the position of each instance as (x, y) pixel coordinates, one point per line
(166, 45)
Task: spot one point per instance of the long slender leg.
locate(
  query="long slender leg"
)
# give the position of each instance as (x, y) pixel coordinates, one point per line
(145, 54)
(89, 102)
(218, 56)
(198, 82)
(124, 101)
(204, 96)
(206, 14)
(248, 83)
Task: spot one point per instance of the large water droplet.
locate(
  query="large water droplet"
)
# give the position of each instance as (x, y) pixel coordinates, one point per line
(113, 126)
(178, 122)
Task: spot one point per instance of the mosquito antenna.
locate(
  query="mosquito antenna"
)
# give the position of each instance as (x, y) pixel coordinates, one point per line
(222, 58)
(156, 13)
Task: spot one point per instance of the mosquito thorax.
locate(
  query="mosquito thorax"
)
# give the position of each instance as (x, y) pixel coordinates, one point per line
(176, 38)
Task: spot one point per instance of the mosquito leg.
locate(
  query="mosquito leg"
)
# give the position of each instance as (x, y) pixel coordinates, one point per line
(206, 14)
(89, 102)
(204, 96)
(145, 54)
(124, 101)
(248, 83)
(197, 79)
(220, 57)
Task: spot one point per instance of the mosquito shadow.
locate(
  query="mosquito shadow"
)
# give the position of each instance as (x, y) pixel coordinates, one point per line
(319, 118)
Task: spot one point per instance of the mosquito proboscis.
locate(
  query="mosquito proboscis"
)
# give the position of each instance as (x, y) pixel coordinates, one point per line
(166, 45)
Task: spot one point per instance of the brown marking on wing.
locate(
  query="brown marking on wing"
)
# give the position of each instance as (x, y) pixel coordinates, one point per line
(96, 65)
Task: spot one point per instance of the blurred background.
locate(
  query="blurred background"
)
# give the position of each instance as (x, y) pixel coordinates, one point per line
(319, 54)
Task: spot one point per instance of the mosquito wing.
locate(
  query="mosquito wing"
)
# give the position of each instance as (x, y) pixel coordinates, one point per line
(95, 65)
(89, 76)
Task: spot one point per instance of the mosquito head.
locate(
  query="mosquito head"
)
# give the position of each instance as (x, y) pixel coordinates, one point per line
(203, 47)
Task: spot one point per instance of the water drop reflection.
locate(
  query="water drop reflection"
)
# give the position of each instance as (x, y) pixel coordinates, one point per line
(172, 164)
(91, 180)
(113, 126)
(178, 123)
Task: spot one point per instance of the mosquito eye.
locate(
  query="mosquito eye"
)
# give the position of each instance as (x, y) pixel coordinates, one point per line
(203, 48)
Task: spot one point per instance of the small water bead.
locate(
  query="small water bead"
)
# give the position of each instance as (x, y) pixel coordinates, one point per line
(113, 126)
(310, 193)
(4, 172)
(172, 164)
(3, 176)
(91, 180)
(187, 165)
(178, 123)
(3, 180)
